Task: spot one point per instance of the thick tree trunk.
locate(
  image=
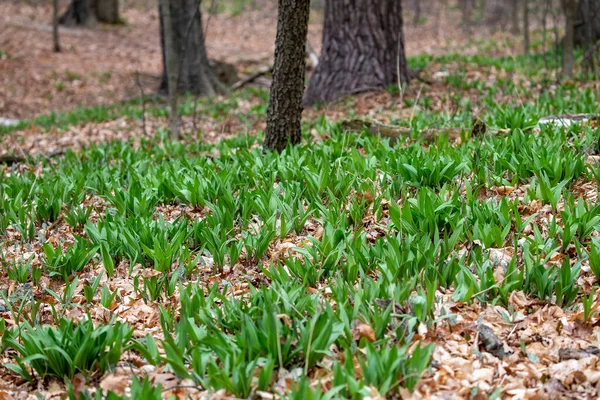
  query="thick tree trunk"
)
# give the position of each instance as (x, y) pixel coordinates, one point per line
(87, 12)
(363, 49)
(194, 72)
(570, 9)
(587, 24)
(285, 103)
(107, 11)
(80, 12)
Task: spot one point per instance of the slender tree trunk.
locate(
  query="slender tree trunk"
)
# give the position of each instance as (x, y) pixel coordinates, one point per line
(570, 9)
(194, 72)
(526, 26)
(442, 9)
(417, 11)
(363, 49)
(515, 16)
(285, 103)
(55, 40)
(171, 66)
(466, 8)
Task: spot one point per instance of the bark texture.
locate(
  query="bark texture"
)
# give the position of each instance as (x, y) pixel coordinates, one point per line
(587, 23)
(515, 16)
(416, 12)
(86, 12)
(285, 103)
(171, 64)
(363, 49)
(107, 11)
(194, 73)
(55, 41)
(570, 9)
(526, 26)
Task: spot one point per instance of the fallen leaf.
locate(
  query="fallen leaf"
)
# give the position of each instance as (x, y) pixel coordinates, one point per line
(5, 396)
(504, 190)
(114, 383)
(286, 319)
(363, 330)
(78, 383)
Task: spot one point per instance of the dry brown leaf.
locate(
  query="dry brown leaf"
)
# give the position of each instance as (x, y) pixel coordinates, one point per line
(504, 190)
(114, 383)
(78, 385)
(363, 330)
(5, 396)
(286, 319)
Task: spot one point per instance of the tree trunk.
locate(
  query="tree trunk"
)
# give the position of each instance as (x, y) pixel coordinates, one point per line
(87, 12)
(363, 49)
(587, 25)
(526, 26)
(107, 11)
(171, 65)
(416, 11)
(515, 17)
(80, 12)
(194, 74)
(55, 41)
(570, 9)
(466, 7)
(285, 103)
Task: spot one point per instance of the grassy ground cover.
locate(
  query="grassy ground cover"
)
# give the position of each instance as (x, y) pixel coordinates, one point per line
(343, 268)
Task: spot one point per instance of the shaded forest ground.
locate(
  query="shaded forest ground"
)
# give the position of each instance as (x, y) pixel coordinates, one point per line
(98, 65)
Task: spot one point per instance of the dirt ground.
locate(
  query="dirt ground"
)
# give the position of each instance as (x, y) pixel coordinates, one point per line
(98, 64)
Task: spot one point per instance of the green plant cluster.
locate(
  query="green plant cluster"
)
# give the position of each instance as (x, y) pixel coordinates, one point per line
(383, 228)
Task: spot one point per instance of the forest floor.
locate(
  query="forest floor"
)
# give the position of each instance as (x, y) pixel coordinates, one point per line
(98, 65)
(346, 266)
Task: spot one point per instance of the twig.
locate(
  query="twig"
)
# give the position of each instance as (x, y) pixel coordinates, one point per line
(139, 84)
(250, 78)
(194, 114)
(412, 114)
(211, 11)
(57, 221)
(198, 387)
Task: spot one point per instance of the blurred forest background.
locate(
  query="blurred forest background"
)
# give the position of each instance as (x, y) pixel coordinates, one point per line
(104, 63)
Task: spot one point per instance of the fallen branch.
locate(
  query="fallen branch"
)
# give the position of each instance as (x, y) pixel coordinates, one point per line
(568, 119)
(55, 223)
(394, 132)
(14, 159)
(250, 78)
